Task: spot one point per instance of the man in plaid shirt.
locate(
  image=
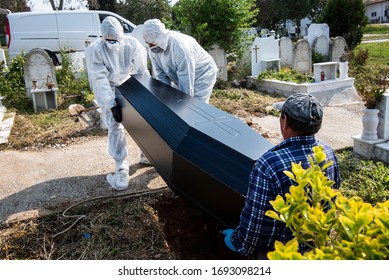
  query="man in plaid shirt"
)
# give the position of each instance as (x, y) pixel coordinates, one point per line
(301, 118)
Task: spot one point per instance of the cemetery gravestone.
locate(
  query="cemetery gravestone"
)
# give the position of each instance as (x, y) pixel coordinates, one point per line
(286, 51)
(220, 57)
(264, 55)
(40, 81)
(315, 30)
(302, 57)
(338, 48)
(322, 45)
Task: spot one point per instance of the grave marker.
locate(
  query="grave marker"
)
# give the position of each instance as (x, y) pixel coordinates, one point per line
(264, 55)
(302, 57)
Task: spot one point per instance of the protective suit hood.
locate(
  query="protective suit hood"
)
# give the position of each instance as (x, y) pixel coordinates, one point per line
(154, 32)
(112, 29)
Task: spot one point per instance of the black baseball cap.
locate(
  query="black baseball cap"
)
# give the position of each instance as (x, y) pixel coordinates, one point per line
(302, 107)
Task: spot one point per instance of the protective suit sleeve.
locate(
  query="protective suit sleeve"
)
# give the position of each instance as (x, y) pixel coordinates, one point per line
(140, 60)
(98, 76)
(186, 71)
(157, 71)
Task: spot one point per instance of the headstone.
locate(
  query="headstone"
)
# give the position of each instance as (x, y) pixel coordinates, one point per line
(302, 57)
(220, 57)
(322, 45)
(338, 47)
(264, 32)
(264, 55)
(292, 31)
(252, 32)
(383, 127)
(304, 25)
(315, 30)
(3, 60)
(39, 76)
(286, 51)
(78, 62)
(3, 109)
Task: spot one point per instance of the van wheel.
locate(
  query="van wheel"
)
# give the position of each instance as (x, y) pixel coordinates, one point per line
(53, 57)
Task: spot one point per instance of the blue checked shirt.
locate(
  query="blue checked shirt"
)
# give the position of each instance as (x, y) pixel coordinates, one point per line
(257, 232)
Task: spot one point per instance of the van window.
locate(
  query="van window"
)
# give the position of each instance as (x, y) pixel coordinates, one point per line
(126, 27)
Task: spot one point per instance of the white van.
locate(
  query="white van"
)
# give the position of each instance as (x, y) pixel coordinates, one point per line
(56, 30)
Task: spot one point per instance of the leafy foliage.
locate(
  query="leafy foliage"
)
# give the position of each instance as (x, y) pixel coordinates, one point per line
(287, 75)
(345, 18)
(369, 80)
(221, 22)
(138, 11)
(12, 86)
(274, 12)
(318, 57)
(376, 29)
(67, 82)
(364, 178)
(15, 5)
(335, 227)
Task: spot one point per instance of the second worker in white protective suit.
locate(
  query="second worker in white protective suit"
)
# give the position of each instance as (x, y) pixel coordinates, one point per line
(179, 59)
(110, 61)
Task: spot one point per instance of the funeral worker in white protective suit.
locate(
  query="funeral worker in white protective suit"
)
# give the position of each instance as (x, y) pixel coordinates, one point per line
(110, 61)
(178, 60)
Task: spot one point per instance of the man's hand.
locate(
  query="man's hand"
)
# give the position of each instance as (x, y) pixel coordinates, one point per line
(117, 114)
(227, 239)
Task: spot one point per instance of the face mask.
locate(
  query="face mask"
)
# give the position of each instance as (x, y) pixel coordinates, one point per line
(156, 49)
(113, 45)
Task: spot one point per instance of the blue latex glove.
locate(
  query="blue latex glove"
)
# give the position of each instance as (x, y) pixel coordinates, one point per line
(227, 239)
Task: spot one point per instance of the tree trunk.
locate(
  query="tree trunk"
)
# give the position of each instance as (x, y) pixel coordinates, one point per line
(60, 5)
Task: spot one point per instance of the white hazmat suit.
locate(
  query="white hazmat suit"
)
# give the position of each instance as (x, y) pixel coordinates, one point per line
(179, 59)
(110, 61)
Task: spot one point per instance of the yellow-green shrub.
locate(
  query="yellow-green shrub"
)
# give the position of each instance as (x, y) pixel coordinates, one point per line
(335, 227)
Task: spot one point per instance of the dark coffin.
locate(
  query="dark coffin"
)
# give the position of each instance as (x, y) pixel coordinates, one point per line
(201, 152)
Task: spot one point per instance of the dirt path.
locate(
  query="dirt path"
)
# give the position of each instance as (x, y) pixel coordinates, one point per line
(35, 182)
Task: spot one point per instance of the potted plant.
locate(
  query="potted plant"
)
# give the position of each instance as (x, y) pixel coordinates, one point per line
(371, 95)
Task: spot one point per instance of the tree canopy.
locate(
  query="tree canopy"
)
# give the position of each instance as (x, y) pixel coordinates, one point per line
(345, 18)
(15, 6)
(219, 21)
(137, 11)
(274, 12)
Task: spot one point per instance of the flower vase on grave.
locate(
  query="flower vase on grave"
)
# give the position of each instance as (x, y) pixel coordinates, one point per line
(343, 70)
(370, 124)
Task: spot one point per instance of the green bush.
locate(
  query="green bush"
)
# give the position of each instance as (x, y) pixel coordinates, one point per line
(287, 75)
(335, 227)
(68, 84)
(364, 178)
(12, 86)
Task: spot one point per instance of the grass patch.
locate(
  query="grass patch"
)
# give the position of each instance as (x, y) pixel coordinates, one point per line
(287, 75)
(376, 29)
(47, 129)
(157, 226)
(243, 102)
(375, 37)
(378, 53)
(364, 178)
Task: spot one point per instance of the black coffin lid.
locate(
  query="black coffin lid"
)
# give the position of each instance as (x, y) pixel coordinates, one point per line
(200, 151)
